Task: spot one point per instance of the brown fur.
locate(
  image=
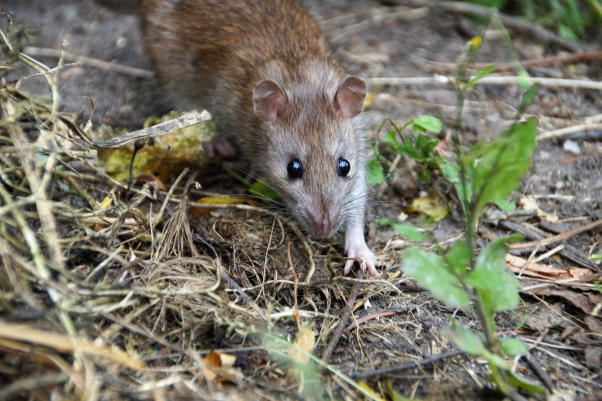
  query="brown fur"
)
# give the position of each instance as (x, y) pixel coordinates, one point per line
(246, 59)
(212, 53)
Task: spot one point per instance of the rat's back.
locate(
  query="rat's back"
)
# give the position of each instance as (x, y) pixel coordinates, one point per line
(210, 53)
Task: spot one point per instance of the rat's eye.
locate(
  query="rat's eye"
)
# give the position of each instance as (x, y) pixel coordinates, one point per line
(343, 167)
(295, 168)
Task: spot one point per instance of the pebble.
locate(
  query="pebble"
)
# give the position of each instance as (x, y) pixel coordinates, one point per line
(571, 147)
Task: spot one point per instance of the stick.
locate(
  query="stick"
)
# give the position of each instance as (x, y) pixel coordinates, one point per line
(156, 130)
(393, 369)
(568, 130)
(491, 80)
(334, 340)
(92, 62)
(558, 237)
(540, 372)
(540, 62)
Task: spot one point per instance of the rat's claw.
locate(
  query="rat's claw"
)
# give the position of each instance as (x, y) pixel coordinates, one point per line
(361, 251)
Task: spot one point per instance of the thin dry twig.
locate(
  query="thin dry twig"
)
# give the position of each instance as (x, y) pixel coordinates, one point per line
(489, 80)
(410, 365)
(92, 62)
(334, 340)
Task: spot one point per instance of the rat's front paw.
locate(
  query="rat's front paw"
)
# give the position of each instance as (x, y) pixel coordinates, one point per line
(359, 250)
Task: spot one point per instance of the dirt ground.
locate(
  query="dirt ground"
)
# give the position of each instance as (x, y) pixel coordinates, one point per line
(560, 323)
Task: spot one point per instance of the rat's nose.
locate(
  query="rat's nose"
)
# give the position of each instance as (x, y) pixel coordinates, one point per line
(322, 224)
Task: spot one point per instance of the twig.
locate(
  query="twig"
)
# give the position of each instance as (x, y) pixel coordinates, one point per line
(310, 254)
(32, 382)
(559, 237)
(393, 369)
(92, 62)
(539, 62)
(156, 130)
(334, 340)
(244, 296)
(540, 372)
(568, 130)
(295, 306)
(490, 80)
(368, 318)
(568, 252)
(138, 145)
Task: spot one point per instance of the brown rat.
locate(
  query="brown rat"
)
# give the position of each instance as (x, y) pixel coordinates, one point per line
(264, 71)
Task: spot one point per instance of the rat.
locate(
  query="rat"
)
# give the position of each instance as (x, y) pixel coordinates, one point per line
(264, 70)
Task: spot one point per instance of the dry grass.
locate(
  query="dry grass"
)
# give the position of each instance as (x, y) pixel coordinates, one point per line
(108, 296)
(110, 292)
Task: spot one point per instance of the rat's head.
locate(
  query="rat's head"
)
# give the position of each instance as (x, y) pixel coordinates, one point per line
(314, 150)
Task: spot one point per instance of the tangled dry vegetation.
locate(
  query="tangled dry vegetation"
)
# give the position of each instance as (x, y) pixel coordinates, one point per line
(113, 292)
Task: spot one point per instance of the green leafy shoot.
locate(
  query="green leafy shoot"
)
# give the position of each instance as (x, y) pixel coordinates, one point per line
(421, 148)
(431, 272)
(486, 173)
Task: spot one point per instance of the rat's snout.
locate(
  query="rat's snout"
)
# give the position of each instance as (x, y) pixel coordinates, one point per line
(322, 223)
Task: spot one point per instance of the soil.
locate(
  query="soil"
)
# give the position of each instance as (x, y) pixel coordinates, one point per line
(569, 184)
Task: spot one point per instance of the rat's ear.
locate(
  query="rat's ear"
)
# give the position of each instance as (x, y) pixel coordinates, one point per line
(269, 101)
(350, 97)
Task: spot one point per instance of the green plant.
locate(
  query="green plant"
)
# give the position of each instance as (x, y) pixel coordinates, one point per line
(567, 17)
(484, 174)
(420, 149)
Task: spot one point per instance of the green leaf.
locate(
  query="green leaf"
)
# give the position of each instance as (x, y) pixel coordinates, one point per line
(480, 74)
(597, 256)
(523, 78)
(449, 171)
(432, 273)
(374, 171)
(391, 140)
(458, 256)
(410, 232)
(513, 347)
(408, 149)
(506, 205)
(528, 98)
(429, 123)
(262, 190)
(464, 339)
(524, 384)
(567, 33)
(495, 169)
(494, 254)
(385, 222)
(497, 288)
(426, 144)
(424, 174)
(417, 130)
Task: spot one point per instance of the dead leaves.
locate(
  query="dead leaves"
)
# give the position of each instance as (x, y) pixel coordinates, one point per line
(218, 367)
(522, 267)
(529, 203)
(304, 343)
(587, 302)
(431, 206)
